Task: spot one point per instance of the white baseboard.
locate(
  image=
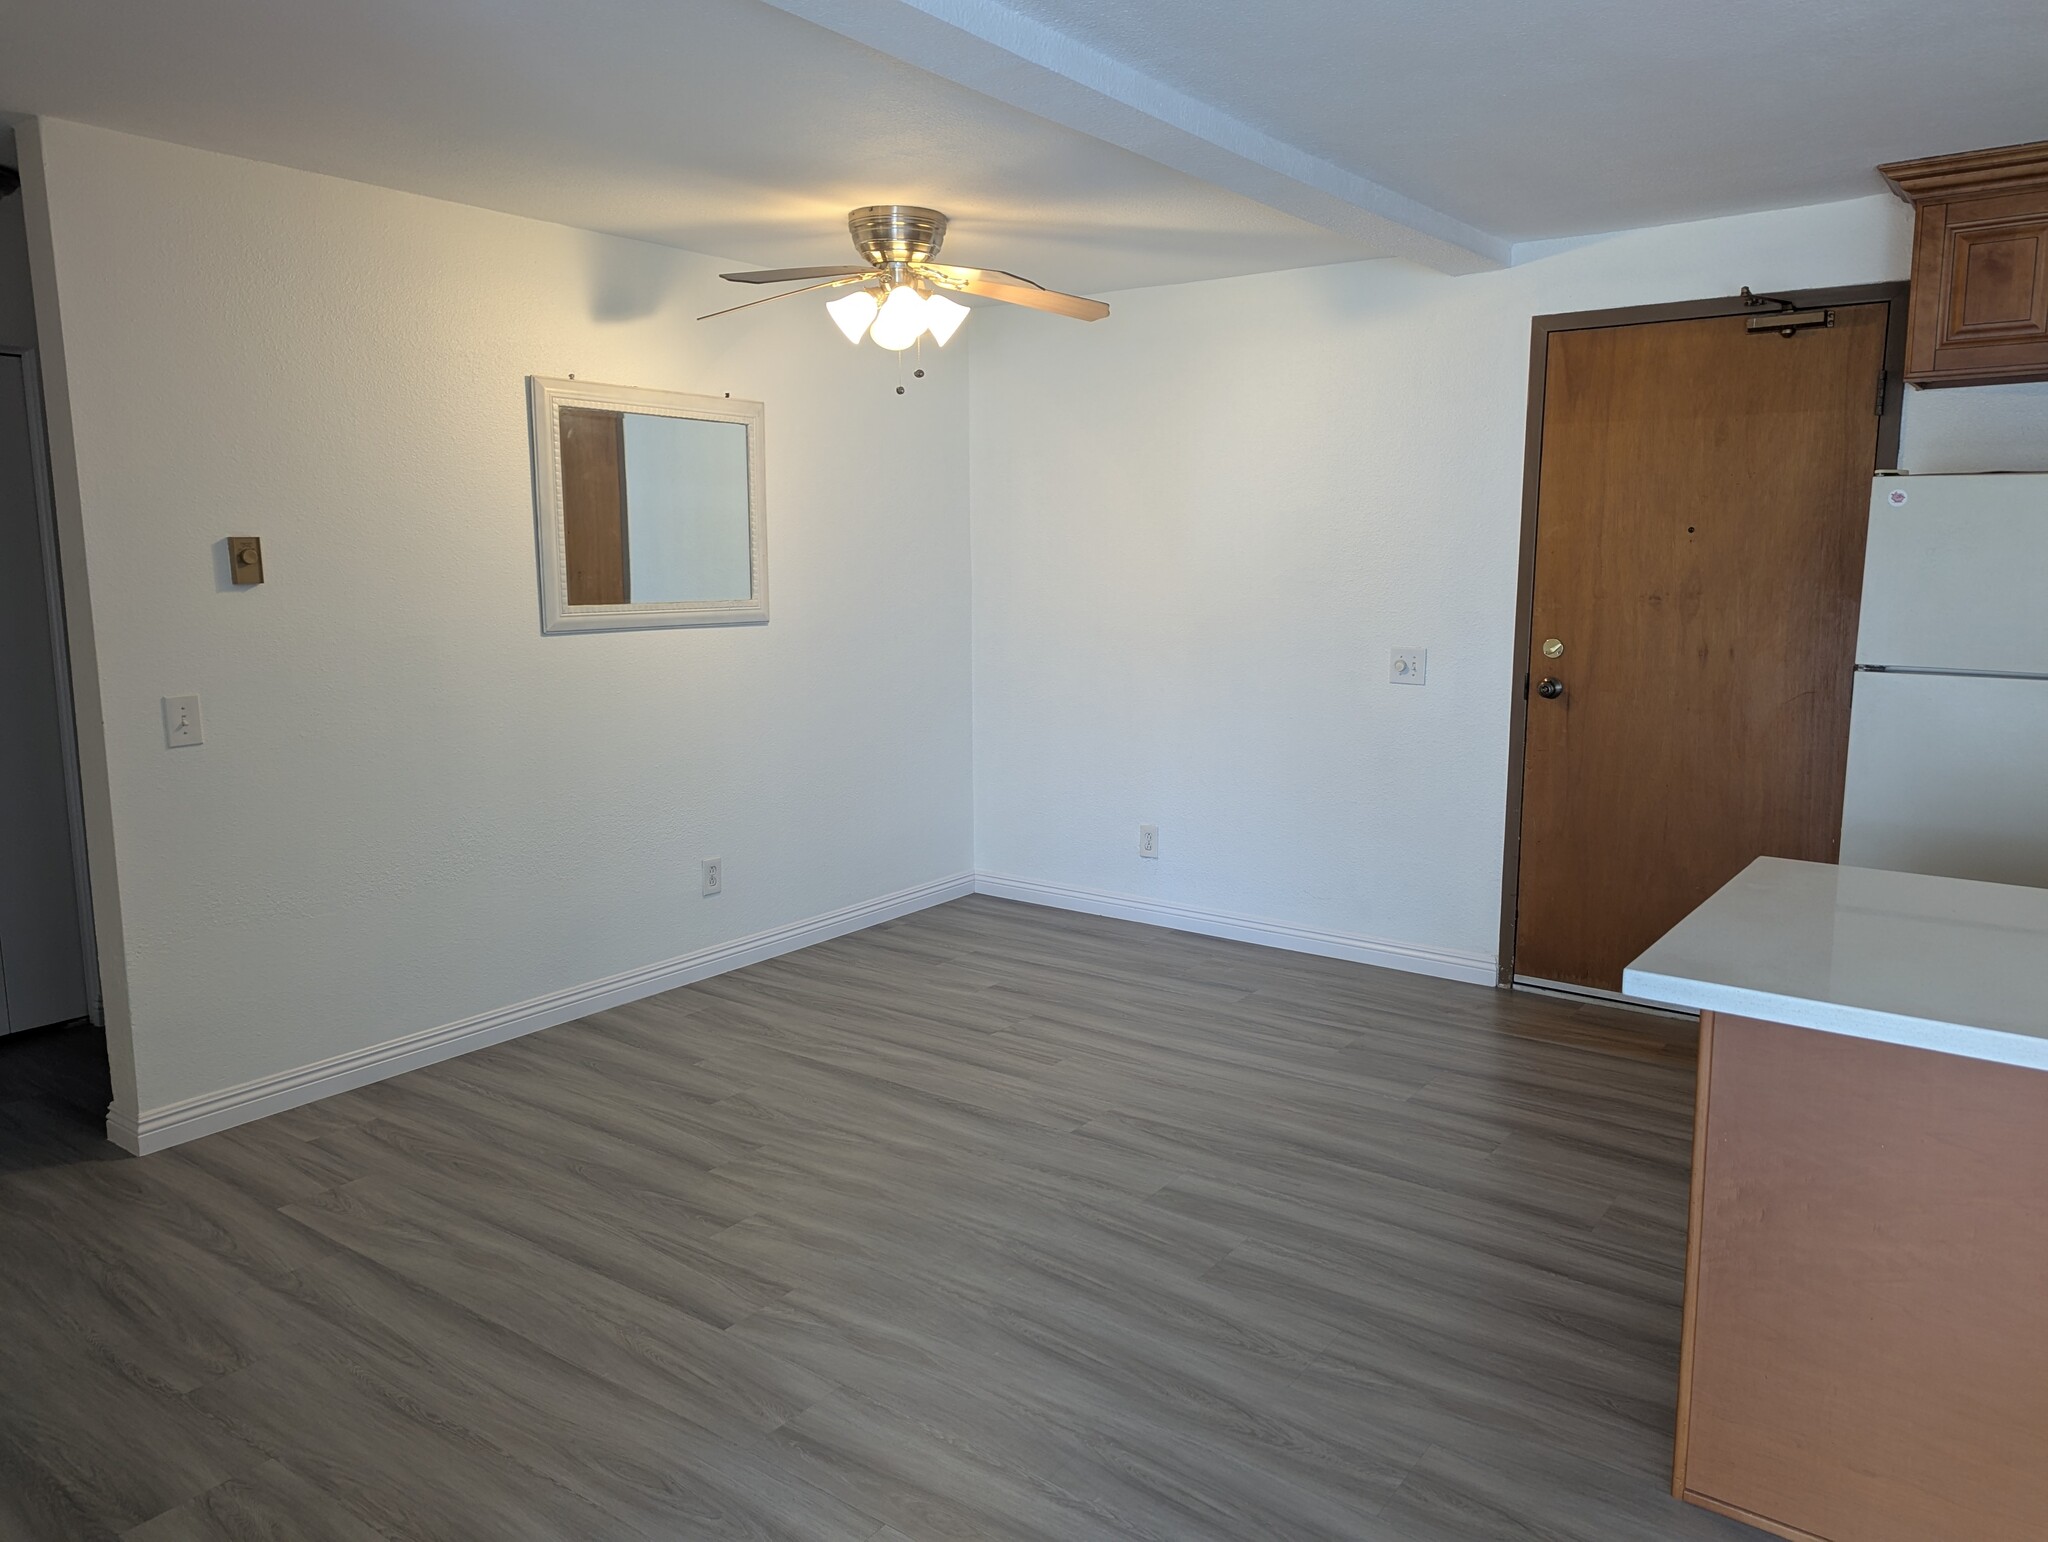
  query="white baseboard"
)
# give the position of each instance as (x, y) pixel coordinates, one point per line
(203, 1115)
(174, 1123)
(1444, 963)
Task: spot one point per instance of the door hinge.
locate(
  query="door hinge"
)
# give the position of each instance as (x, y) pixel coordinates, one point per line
(1884, 379)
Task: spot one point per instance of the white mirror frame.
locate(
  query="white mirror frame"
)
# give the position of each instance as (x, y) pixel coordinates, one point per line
(545, 400)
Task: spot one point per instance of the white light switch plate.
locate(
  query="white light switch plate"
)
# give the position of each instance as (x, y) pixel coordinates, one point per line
(182, 723)
(1410, 666)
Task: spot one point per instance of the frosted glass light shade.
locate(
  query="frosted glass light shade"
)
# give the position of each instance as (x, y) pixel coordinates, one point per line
(900, 322)
(853, 313)
(942, 317)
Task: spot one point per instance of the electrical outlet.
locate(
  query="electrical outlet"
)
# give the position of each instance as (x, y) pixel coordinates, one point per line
(182, 723)
(714, 874)
(1148, 841)
(1410, 666)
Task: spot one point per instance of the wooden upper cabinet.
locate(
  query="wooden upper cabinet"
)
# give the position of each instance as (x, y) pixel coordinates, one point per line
(1980, 265)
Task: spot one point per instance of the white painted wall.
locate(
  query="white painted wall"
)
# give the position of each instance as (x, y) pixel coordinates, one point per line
(1197, 531)
(1977, 428)
(411, 807)
(1200, 528)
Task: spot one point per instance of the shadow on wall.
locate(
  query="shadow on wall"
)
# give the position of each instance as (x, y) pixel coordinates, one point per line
(628, 281)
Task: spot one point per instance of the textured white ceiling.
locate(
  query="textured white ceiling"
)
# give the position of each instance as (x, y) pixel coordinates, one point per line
(1091, 144)
(724, 126)
(1535, 118)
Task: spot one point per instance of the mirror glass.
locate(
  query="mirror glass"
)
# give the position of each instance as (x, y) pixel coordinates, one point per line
(654, 508)
(650, 508)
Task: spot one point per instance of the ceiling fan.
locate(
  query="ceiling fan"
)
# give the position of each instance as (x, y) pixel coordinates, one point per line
(901, 294)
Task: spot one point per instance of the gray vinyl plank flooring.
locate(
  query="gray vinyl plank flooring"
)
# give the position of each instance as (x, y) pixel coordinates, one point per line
(270, 1504)
(993, 1222)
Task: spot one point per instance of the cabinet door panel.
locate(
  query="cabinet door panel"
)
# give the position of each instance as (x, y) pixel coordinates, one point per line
(1867, 1333)
(1980, 265)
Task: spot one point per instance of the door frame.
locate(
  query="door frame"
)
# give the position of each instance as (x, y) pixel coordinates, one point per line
(1893, 294)
(60, 655)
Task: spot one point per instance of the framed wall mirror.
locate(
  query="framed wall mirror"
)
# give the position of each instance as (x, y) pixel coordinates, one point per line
(649, 508)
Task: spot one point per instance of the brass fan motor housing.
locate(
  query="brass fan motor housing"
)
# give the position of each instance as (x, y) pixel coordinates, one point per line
(899, 241)
(897, 232)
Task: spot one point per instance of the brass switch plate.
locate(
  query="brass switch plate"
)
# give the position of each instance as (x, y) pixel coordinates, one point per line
(245, 559)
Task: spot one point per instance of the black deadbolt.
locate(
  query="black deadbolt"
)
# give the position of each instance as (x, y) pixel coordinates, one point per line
(1550, 688)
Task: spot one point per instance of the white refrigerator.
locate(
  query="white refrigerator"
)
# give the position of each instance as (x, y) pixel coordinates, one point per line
(1948, 740)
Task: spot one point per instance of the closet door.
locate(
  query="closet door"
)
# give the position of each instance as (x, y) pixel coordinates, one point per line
(42, 963)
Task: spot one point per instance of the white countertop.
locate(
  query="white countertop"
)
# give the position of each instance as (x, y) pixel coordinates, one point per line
(1935, 963)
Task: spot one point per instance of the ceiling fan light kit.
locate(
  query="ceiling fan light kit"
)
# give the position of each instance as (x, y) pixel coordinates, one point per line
(900, 321)
(854, 313)
(942, 317)
(895, 299)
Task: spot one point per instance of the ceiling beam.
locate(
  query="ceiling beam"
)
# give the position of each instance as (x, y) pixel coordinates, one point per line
(1029, 65)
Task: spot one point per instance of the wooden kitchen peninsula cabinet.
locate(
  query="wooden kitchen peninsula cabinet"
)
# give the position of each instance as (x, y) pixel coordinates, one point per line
(1979, 309)
(1866, 1310)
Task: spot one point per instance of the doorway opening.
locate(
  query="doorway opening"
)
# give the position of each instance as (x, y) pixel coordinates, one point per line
(1695, 496)
(52, 1040)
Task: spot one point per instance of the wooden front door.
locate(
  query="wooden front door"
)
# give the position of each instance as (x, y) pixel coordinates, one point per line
(1701, 504)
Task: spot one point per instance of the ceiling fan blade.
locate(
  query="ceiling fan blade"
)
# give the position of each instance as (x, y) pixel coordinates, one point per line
(953, 275)
(791, 275)
(853, 276)
(1037, 299)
